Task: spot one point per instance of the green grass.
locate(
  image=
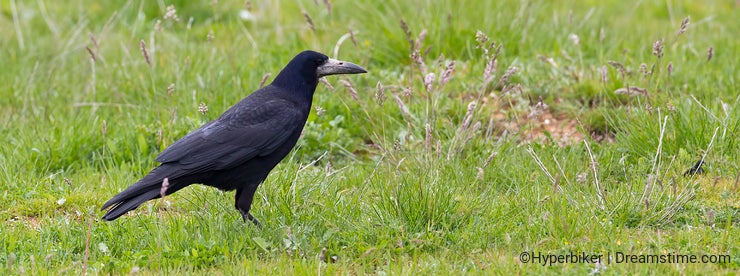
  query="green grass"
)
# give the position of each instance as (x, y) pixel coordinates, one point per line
(404, 180)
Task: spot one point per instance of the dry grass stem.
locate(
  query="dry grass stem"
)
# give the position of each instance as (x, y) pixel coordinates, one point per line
(537, 160)
(594, 165)
(632, 91)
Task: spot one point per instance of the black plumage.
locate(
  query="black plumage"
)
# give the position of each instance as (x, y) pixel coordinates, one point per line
(696, 169)
(239, 149)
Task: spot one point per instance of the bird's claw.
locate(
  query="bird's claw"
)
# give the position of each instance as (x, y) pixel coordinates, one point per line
(249, 217)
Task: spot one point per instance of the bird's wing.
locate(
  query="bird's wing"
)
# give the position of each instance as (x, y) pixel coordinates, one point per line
(243, 132)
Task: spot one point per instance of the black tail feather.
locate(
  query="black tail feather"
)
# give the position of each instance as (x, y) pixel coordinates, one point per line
(123, 206)
(146, 189)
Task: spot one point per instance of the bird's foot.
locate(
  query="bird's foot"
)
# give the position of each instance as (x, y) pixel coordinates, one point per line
(249, 217)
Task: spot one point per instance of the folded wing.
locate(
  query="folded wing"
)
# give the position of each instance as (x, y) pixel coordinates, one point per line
(240, 134)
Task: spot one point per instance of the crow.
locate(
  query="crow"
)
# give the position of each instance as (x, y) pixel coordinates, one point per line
(696, 169)
(239, 149)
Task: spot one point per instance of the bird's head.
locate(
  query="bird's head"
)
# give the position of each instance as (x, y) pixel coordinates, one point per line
(310, 66)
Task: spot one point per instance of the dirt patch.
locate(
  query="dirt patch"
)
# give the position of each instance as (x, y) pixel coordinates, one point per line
(30, 222)
(542, 126)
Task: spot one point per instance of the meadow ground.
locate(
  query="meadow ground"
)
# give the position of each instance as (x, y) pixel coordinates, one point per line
(484, 129)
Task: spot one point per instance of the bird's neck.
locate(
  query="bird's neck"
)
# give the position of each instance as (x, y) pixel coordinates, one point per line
(296, 87)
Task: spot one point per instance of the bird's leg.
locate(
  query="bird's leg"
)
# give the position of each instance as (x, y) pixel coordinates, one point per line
(243, 203)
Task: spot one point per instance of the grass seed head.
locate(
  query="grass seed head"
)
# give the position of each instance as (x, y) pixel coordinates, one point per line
(144, 52)
(684, 25)
(447, 73)
(407, 32)
(482, 40)
(202, 108)
(582, 177)
(658, 48)
(402, 106)
(620, 68)
(210, 36)
(158, 25)
(407, 92)
(468, 116)
(328, 6)
(326, 82)
(352, 91)
(379, 93)
(574, 38)
(710, 53)
(352, 37)
(422, 36)
(428, 81)
(428, 135)
(328, 169)
(94, 41)
(509, 72)
(603, 74)
(490, 68)
(171, 13)
(644, 69)
(264, 79)
(309, 21)
(416, 57)
(170, 89)
(320, 111)
(490, 159)
(90, 52)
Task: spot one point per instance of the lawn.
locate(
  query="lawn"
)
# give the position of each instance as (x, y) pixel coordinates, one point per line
(489, 137)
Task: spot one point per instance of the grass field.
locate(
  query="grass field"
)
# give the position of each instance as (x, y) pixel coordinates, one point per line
(483, 129)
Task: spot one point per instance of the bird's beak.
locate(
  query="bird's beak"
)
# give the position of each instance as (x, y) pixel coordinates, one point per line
(336, 67)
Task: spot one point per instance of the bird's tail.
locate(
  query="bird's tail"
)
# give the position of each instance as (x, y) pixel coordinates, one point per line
(148, 188)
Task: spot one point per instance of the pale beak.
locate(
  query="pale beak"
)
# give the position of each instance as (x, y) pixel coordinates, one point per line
(336, 67)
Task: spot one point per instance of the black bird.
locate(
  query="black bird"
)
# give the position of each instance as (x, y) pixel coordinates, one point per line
(239, 149)
(696, 169)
